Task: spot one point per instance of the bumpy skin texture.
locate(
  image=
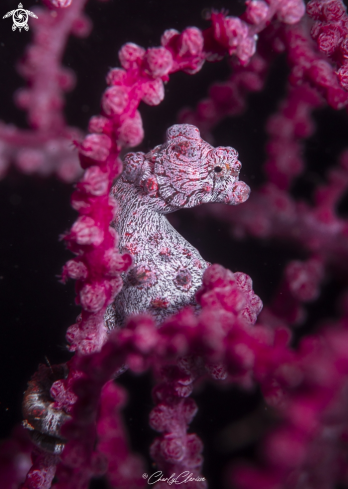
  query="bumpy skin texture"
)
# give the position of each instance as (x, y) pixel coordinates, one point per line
(183, 172)
(167, 271)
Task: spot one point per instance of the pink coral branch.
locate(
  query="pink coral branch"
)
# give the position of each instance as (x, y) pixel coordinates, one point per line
(47, 148)
(124, 469)
(41, 66)
(271, 211)
(220, 339)
(330, 32)
(313, 410)
(230, 308)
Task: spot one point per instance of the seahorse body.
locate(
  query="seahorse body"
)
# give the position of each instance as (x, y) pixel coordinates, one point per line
(183, 172)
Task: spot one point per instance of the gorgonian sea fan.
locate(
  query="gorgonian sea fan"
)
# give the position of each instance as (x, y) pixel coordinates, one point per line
(220, 333)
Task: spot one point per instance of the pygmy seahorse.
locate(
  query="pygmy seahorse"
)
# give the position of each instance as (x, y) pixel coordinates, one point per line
(183, 172)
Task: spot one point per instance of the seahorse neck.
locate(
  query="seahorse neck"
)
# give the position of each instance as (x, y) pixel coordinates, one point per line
(135, 217)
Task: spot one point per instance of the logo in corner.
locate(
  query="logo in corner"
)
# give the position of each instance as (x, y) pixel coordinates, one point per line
(20, 18)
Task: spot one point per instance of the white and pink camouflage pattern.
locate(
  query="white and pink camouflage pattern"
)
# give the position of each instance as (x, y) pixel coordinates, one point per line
(183, 172)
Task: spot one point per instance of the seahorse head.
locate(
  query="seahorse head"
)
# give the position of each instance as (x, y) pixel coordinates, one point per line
(186, 171)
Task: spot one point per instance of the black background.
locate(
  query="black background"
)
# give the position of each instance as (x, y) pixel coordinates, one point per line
(36, 309)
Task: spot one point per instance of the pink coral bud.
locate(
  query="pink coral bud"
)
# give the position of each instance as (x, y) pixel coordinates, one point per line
(183, 390)
(62, 395)
(343, 76)
(163, 393)
(248, 315)
(131, 132)
(232, 299)
(92, 297)
(344, 48)
(216, 276)
(98, 124)
(314, 9)
(145, 337)
(81, 26)
(208, 299)
(168, 36)
(246, 49)
(291, 11)
(189, 409)
(328, 39)
(240, 357)
(115, 100)
(116, 76)
(263, 335)
(321, 73)
(69, 170)
(191, 42)
(88, 338)
(255, 304)
(136, 362)
(66, 79)
(30, 160)
(172, 449)
(333, 10)
(80, 203)
(194, 445)
(95, 147)
(61, 3)
(158, 62)
(206, 109)
(86, 232)
(153, 92)
(58, 390)
(75, 269)
(243, 281)
(116, 263)
(337, 97)
(289, 375)
(229, 31)
(161, 418)
(304, 279)
(131, 56)
(217, 371)
(256, 12)
(95, 181)
(114, 286)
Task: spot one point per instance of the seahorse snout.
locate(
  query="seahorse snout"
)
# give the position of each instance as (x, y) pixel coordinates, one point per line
(234, 193)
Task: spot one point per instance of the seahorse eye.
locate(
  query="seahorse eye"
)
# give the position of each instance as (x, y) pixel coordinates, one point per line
(218, 169)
